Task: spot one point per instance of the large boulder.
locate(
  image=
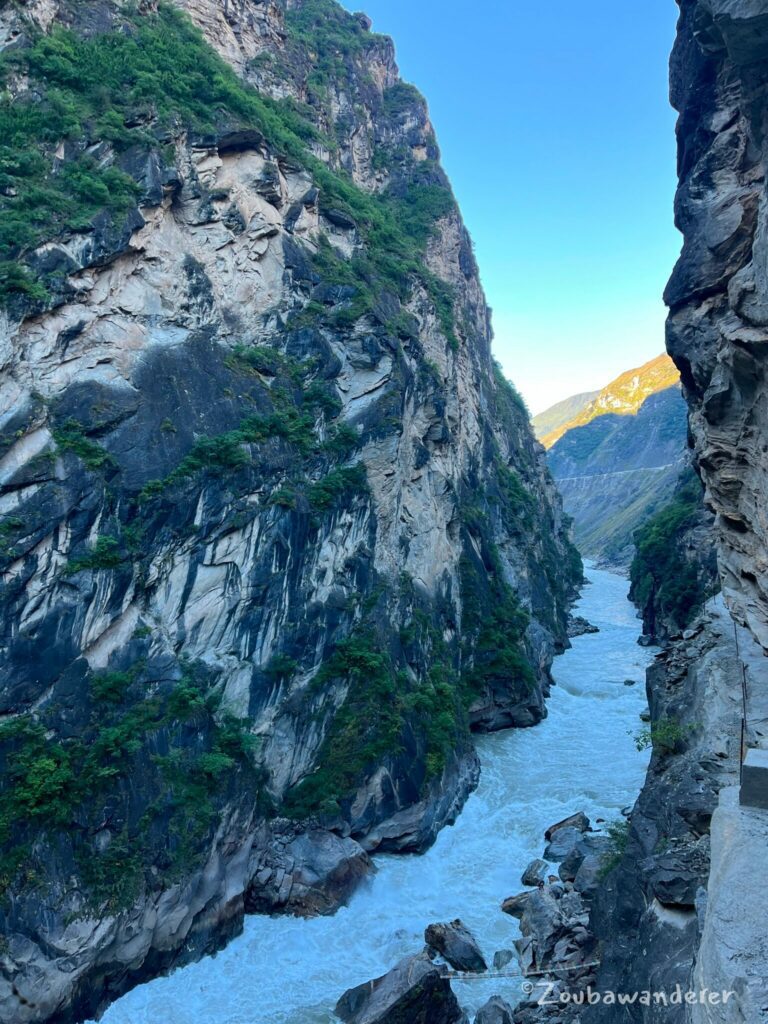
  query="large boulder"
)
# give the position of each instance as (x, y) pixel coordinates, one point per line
(413, 992)
(579, 821)
(563, 842)
(502, 957)
(314, 873)
(456, 943)
(495, 1011)
(536, 872)
(595, 848)
(515, 905)
(579, 626)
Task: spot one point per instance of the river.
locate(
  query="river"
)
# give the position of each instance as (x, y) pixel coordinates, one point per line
(582, 757)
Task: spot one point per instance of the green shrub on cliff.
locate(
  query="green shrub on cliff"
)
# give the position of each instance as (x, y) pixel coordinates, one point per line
(663, 582)
(158, 76)
(51, 782)
(366, 728)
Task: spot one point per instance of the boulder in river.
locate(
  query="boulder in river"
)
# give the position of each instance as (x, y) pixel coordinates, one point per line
(579, 821)
(456, 943)
(578, 626)
(536, 872)
(594, 847)
(561, 844)
(414, 990)
(495, 1011)
(502, 957)
(515, 905)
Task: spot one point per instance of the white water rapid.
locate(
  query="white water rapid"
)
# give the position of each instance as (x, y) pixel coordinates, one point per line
(582, 757)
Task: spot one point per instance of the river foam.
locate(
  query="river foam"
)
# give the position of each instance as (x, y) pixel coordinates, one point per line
(582, 757)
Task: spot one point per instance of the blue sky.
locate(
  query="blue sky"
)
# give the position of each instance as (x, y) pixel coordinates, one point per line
(555, 128)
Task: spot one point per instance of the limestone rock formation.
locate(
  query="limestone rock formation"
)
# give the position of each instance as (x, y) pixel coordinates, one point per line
(274, 531)
(653, 899)
(718, 294)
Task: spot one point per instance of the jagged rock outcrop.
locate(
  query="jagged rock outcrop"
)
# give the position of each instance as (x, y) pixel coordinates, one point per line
(718, 293)
(654, 899)
(275, 532)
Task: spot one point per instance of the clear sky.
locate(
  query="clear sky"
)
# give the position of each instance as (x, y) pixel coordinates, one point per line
(555, 128)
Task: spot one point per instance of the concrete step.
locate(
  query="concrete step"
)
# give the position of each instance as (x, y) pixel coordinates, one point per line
(754, 779)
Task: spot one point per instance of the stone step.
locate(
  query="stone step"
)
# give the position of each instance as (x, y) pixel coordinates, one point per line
(754, 779)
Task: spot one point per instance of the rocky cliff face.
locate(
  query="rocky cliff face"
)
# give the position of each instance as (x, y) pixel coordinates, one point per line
(718, 293)
(649, 912)
(662, 899)
(275, 532)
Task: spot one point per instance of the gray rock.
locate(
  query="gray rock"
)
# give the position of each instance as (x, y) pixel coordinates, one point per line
(542, 922)
(495, 1011)
(590, 874)
(457, 945)
(536, 872)
(502, 957)
(563, 842)
(595, 846)
(579, 626)
(413, 991)
(578, 821)
(515, 905)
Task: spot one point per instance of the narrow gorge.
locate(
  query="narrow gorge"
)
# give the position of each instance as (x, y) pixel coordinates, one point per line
(299, 655)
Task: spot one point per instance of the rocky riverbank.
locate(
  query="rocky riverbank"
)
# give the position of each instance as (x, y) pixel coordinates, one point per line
(557, 952)
(640, 885)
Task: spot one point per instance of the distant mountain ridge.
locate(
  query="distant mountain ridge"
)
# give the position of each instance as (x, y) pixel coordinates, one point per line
(618, 458)
(623, 397)
(617, 470)
(562, 413)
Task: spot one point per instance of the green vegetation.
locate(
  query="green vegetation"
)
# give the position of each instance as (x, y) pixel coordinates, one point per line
(256, 359)
(157, 69)
(663, 736)
(382, 707)
(493, 621)
(664, 583)
(436, 709)
(102, 87)
(337, 485)
(70, 437)
(328, 32)
(10, 526)
(105, 554)
(400, 98)
(281, 667)
(618, 833)
(367, 727)
(50, 783)
(228, 452)
(495, 635)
